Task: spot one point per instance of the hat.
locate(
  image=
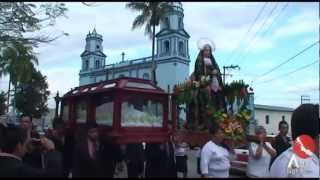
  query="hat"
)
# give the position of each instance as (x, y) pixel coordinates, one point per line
(202, 42)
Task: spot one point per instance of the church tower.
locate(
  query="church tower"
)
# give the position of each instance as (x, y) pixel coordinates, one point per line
(172, 49)
(93, 58)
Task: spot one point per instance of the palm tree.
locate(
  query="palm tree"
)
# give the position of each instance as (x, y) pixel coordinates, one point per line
(152, 13)
(17, 61)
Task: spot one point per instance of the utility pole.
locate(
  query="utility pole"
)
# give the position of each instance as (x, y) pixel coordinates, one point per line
(305, 98)
(228, 67)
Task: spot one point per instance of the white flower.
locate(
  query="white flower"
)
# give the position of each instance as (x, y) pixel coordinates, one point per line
(203, 78)
(197, 84)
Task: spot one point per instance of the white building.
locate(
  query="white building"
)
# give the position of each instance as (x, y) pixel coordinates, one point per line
(172, 56)
(270, 116)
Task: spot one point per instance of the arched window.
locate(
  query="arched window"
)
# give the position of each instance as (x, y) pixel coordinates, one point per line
(86, 65)
(97, 64)
(166, 46)
(181, 48)
(146, 76)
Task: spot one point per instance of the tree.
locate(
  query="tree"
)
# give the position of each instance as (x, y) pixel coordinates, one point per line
(17, 61)
(31, 98)
(151, 14)
(20, 26)
(2, 103)
(21, 20)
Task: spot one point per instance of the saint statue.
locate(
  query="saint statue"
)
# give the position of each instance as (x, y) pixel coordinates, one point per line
(206, 65)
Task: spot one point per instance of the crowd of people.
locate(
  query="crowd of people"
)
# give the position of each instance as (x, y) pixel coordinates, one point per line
(26, 153)
(267, 160)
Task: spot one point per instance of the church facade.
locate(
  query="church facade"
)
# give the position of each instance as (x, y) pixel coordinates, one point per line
(172, 56)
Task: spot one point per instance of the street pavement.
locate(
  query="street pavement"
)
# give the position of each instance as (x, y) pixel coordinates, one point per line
(192, 169)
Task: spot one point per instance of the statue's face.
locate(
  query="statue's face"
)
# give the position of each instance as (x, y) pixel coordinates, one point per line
(206, 51)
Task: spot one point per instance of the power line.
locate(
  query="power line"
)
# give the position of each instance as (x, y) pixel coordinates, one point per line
(284, 75)
(260, 28)
(286, 61)
(266, 29)
(274, 19)
(244, 37)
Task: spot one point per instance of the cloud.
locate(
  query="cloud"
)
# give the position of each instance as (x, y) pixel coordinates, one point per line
(304, 87)
(225, 23)
(304, 22)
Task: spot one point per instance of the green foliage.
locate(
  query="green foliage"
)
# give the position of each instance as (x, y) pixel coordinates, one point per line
(20, 21)
(17, 61)
(237, 91)
(2, 103)
(151, 13)
(31, 98)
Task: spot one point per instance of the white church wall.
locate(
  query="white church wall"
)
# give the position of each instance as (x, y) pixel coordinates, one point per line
(182, 72)
(85, 80)
(100, 78)
(174, 22)
(143, 71)
(171, 74)
(117, 75)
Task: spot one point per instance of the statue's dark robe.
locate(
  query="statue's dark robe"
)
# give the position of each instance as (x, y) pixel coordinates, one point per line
(197, 112)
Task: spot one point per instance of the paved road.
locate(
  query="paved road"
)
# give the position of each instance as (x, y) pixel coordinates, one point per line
(192, 169)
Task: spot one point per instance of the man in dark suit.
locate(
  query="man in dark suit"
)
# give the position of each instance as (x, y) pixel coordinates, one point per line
(13, 150)
(62, 144)
(155, 160)
(134, 160)
(282, 142)
(34, 156)
(89, 158)
(171, 169)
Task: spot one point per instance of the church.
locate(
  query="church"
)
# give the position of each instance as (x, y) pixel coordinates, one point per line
(171, 56)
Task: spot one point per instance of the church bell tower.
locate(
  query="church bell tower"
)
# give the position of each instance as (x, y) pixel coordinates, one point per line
(172, 49)
(92, 58)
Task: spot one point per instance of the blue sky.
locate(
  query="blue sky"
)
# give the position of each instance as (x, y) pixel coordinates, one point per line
(225, 23)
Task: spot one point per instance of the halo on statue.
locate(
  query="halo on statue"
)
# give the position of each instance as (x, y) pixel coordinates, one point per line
(202, 42)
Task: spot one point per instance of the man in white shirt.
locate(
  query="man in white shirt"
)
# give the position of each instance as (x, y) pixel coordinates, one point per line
(304, 120)
(215, 159)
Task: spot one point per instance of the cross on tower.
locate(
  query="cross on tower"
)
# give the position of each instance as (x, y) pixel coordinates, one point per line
(122, 54)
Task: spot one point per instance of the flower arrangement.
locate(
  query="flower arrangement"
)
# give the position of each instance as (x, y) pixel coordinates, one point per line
(234, 126)
(187, 91)
(236, 90)
(235, 121)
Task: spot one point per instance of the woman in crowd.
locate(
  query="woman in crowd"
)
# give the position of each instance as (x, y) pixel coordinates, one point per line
(182, 158)
(260, 154)
(215, 158)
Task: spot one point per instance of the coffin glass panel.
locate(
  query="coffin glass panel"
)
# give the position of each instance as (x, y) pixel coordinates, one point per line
(65, 112)
(104, 111)
(141, 112)
(81, 112)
